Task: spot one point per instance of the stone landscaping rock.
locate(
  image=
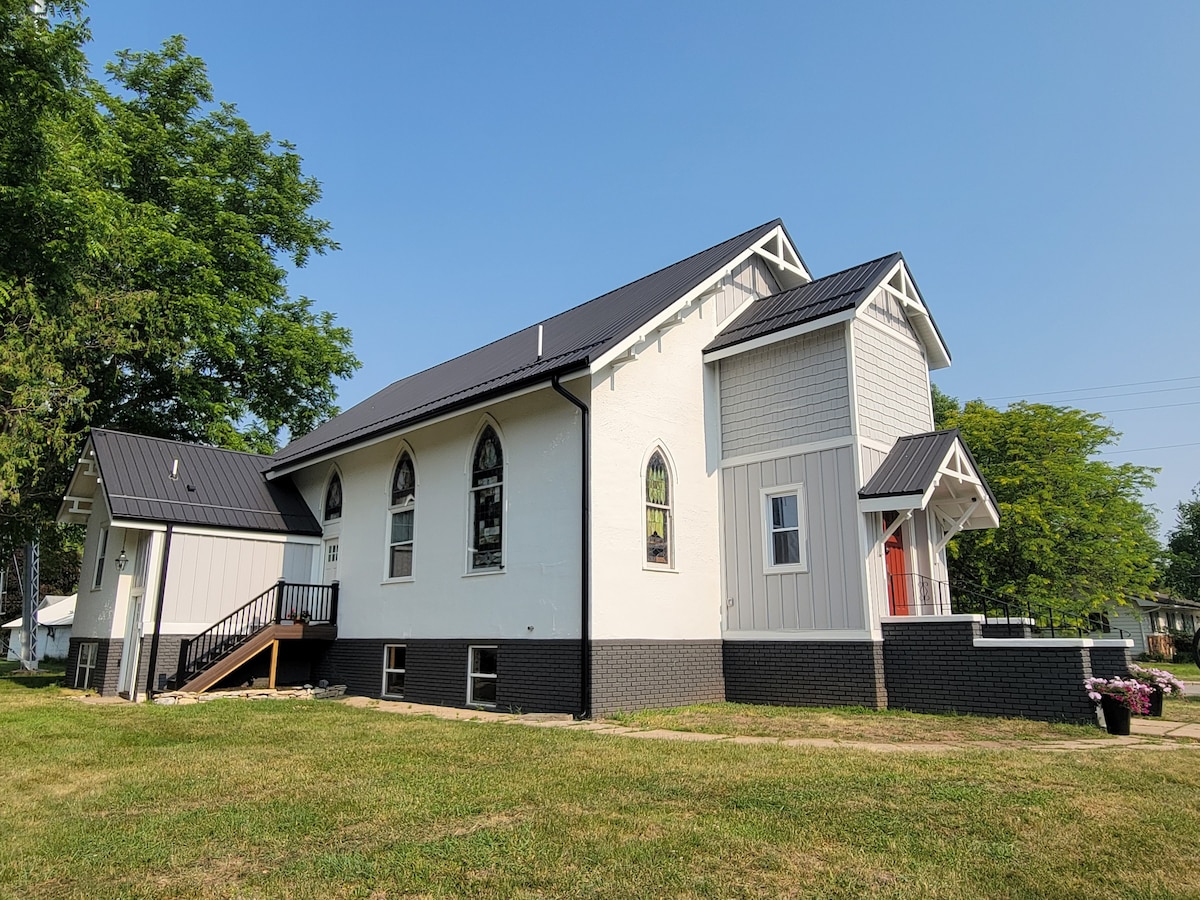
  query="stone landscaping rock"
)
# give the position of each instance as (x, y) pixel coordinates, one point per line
(180, 698)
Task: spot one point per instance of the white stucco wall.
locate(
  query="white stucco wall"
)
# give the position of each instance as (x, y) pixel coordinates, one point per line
(659, 399)
(537, 595)
(98, 614)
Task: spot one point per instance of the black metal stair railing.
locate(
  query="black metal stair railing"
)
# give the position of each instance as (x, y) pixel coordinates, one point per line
(1044, 619)
(314, 604)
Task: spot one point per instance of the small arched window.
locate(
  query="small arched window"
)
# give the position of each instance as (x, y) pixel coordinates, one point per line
(403, 513)
(658, 511)
(333, 498)
(487, 502)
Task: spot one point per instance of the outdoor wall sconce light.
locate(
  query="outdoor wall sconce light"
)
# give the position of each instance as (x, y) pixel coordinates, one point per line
(121, 560)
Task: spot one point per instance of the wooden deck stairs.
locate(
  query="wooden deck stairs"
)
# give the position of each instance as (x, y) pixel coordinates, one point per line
(284, 612)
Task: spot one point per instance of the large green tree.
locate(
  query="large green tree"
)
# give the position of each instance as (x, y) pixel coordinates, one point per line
(1073, 529)
(146, 234)
(1181, 574)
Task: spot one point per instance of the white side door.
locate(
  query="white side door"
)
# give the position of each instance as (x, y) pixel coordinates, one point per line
(132, 651)
(330, 570)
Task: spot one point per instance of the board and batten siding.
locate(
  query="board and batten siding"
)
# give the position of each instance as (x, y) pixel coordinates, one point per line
(209, 576)
(751, 280)
(883, 307)
(892, 384)
(784, 394)
(829, 596)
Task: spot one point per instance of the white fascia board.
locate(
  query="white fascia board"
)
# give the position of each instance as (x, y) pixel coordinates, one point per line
(1048, 643)
(273, 537)
(777, 336)
(806, 635)
(784, 452)
(137, 525)
(891, 504)
(920, 319)
(409, 429)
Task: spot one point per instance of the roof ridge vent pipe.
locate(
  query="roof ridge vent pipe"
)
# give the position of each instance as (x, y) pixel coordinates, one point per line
(539, 356)
(175, 470)
(585, 537)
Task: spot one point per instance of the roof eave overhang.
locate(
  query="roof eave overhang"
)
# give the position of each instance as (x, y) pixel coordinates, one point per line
(936, 353)
(774, 337)
(775, 248)
(399, 429)
(80, 499)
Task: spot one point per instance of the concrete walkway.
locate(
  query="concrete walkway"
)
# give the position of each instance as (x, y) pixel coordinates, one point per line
(1147, 734)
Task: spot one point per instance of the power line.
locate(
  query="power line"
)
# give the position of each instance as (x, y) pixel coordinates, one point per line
(1144, 449)
(1100, 387)
(1190, 387)
(1105, 412)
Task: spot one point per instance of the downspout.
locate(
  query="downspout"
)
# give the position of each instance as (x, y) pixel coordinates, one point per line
(585, 587)
(158, 608)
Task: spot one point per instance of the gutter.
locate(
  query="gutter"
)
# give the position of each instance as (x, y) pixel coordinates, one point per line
(585, 586)
(158, 608)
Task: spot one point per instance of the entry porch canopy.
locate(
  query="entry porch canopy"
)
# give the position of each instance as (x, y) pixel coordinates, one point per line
(934, 472)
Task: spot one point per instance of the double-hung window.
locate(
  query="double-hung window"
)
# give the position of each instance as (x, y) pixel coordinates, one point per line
(785, 542)
(402, 514)
(482, 675)
(487, 503)
(393, 670)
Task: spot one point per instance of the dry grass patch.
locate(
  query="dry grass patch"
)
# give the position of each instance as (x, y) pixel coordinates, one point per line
(850, 724)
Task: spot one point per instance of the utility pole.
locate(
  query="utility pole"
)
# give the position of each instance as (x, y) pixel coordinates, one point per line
(29, 605)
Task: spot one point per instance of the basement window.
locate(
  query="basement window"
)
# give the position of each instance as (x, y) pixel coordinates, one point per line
(481, 676)
(393, 670)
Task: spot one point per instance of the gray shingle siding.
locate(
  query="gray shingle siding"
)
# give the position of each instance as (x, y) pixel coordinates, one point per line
(892, 382)
(784, 394)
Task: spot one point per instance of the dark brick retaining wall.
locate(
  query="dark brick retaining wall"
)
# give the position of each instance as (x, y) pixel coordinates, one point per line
(1110, 662)
(935, 667)
(108, 663)
(806, 673)
(639, 674)
(532, 676)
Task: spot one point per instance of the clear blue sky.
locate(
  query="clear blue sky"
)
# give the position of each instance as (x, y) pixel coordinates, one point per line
(488, 164)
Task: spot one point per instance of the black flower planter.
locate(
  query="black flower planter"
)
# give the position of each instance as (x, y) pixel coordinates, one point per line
(1156, 702)
(1116, 715)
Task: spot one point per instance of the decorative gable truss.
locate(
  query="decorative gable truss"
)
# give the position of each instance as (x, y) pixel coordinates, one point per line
(79, 501)
(775, 249)
(933, 472)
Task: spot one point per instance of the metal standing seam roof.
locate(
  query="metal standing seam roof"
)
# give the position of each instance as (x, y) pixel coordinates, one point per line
(819, 298)
(570, 340)
(913, 463)
(215, 487)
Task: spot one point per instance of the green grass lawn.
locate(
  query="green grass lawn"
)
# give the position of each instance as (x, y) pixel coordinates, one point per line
(319, 799)
(1184, 671)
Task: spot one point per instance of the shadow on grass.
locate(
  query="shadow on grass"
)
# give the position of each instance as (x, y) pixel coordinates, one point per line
(12, 673)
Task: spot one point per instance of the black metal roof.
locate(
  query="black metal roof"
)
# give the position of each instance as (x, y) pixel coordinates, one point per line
(570, 340)
(215, 487)
(912, 464)
(823, 297)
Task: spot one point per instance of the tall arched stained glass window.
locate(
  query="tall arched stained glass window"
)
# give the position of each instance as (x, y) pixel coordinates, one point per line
(487, 502)
(333, 498)
(403, 513)
(658, 511)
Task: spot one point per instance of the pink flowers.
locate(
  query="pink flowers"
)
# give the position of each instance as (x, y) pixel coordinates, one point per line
(1157, 678)
(1129, 692)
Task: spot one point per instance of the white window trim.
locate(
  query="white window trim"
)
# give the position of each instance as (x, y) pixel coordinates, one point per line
(672, 485)
(383, 691)
(388, 578)
(101, 554)
(472, 675)
(765, 495)
(92, 648)
(469, 554)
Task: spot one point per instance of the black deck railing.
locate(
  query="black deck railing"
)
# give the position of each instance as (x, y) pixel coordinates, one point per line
(1043, 619)
(910, 594)
(314, 604)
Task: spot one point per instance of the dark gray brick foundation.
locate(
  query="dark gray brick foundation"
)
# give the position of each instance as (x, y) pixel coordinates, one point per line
(805, 673)
(532, 676)
(1110, 662)
(936, 667)
(108, 663)
(637, 674)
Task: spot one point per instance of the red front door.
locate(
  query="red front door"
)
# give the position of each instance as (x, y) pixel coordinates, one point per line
(897, 576)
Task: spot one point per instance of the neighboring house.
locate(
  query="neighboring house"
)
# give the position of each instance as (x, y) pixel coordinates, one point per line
(720, 480)
(53, 639)
(1157, 613)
